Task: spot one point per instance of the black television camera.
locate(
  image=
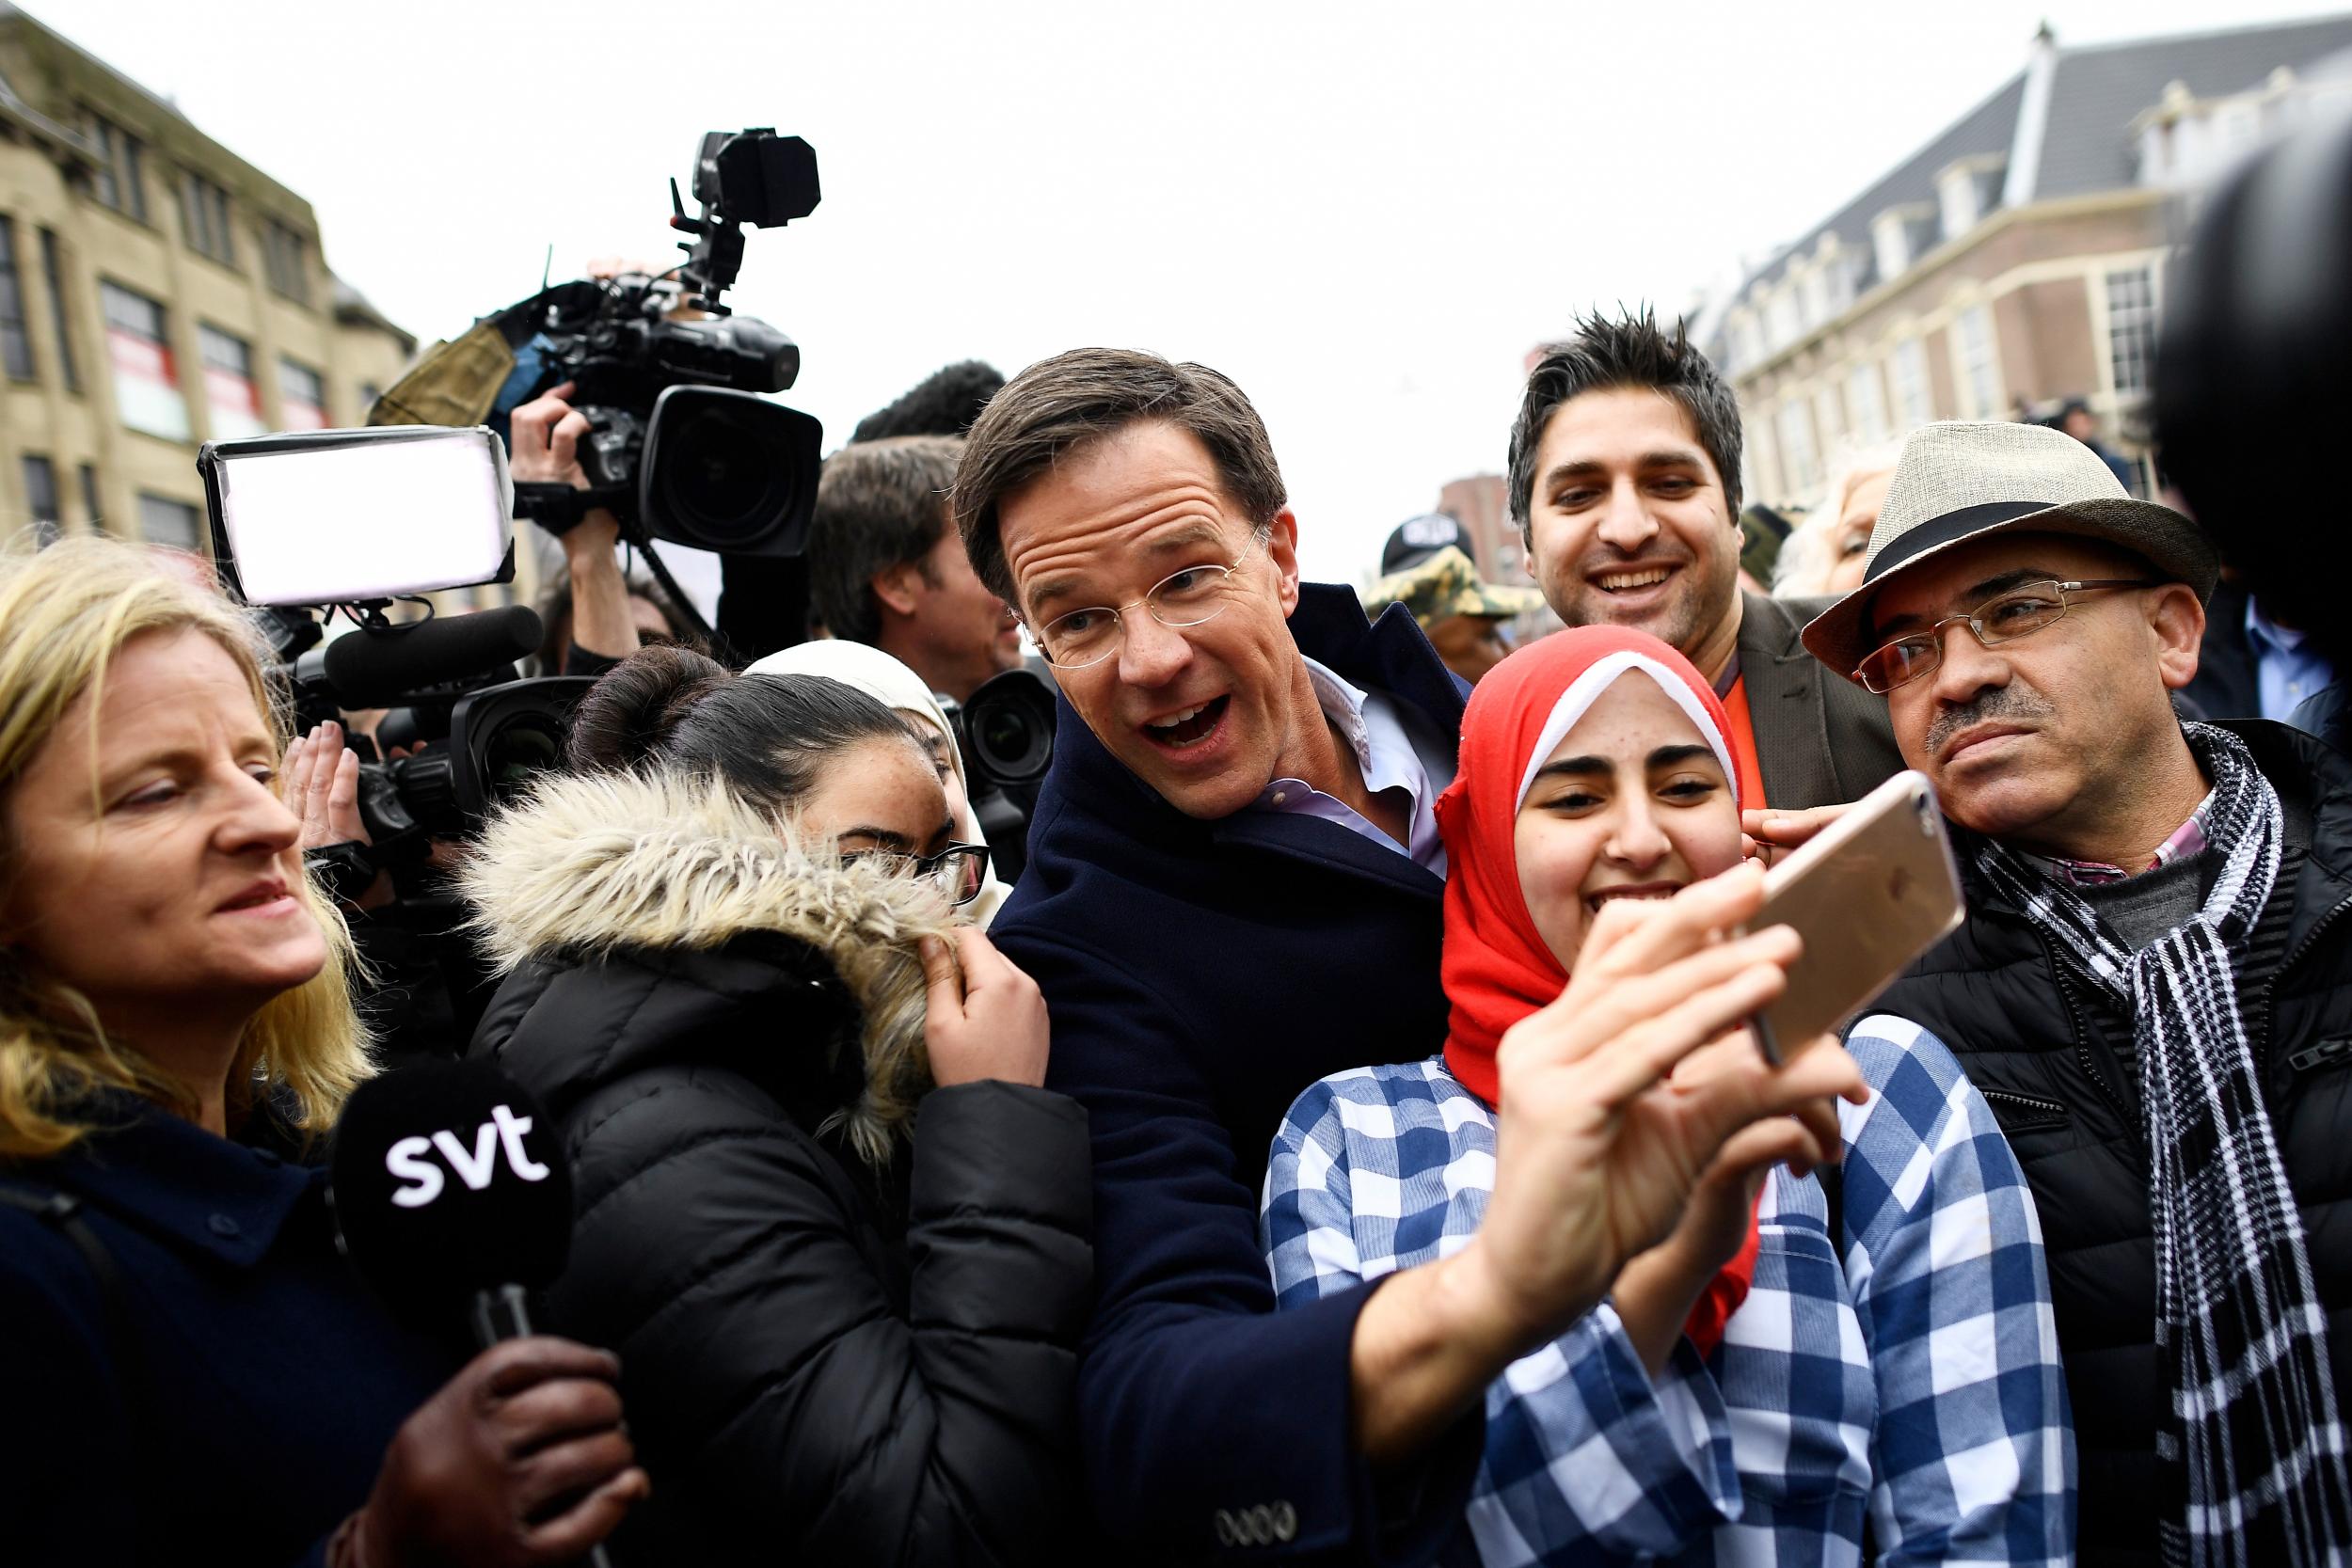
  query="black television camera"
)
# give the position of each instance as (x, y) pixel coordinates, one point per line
(1006, 733)
(680, 446)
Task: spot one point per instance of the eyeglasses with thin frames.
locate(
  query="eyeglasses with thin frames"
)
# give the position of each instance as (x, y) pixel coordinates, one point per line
(1191, 597)
(2026, 609)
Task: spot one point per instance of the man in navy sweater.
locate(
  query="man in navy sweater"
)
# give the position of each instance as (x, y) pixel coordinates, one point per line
(1233, 889)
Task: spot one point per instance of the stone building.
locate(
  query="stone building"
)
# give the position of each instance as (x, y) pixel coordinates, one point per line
(2016, 260)
(156, 291)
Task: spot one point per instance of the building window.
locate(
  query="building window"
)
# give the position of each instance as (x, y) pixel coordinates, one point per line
(204, 218)
(146, 378)
(1980, 377)
(122, 167)
(2132, 326)
(89, 497)
(165, 521)
(302, 394)
(16, 343)
(40, 499)
(230, 395)
(1890, 241)
(1912, 402)
(53, 272)
(1956, 201)
(1829, 416)
(370, 394)
(1783, 322)
(285, 260)
(1800, 467)
(1866, 400)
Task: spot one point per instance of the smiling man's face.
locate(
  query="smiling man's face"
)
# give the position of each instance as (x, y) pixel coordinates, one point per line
(1628, 525)
(1206, 714)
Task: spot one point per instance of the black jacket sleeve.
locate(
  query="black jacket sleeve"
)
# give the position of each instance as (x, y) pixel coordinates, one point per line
(782, 1396)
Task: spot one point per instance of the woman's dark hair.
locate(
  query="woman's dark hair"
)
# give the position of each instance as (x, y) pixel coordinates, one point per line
(765, 737)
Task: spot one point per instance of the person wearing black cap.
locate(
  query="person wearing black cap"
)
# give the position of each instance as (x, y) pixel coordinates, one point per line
(2149, 986)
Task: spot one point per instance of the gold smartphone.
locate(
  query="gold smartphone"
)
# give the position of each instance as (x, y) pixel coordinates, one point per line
(1871, 892)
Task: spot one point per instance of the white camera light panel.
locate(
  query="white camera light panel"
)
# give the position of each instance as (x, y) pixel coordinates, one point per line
(379, 514)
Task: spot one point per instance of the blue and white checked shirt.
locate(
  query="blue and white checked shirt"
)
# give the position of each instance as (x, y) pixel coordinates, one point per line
(1920, 1380)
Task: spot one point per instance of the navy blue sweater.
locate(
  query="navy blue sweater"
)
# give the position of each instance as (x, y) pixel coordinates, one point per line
(249, 1412)
(1200, 975)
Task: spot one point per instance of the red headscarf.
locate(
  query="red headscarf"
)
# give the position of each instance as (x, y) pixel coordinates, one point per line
(1496, 969)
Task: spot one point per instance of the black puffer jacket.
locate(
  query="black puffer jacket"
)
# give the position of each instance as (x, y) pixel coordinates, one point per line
(2030, 1038)
(824, 1360)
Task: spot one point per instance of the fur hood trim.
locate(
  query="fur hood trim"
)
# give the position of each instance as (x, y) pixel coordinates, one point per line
(588, 864)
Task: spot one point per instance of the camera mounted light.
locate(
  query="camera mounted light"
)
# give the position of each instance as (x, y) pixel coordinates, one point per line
(357, 517)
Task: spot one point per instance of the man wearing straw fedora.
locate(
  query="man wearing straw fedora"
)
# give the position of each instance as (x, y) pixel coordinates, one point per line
(2154, 986)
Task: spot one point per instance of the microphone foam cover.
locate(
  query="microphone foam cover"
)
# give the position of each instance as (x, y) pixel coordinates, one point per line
(372, 668)
(448, 1177)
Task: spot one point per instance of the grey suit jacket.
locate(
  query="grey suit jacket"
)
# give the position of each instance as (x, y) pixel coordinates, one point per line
(1821, 739)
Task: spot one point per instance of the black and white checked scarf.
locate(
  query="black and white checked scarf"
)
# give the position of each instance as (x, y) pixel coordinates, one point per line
(2252, 1440)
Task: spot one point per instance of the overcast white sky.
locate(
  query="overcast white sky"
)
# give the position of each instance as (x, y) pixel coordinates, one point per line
(1363, 212)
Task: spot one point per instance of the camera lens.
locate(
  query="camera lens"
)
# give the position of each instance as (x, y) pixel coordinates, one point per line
(1009, 726)
(719, 480)
(526, 746)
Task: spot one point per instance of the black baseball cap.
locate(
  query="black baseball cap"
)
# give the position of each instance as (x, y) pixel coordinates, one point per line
(1416, 539)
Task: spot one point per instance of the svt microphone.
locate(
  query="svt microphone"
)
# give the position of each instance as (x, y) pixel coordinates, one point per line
(451, 1196)
(377, 667)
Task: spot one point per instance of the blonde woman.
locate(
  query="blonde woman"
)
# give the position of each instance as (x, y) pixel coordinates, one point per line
(1826, 552)
(187, 1371)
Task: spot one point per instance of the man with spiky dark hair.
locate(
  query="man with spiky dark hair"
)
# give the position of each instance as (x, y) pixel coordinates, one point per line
(1624, 480)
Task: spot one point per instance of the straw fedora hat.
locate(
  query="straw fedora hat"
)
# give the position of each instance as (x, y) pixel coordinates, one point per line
(1959, 481)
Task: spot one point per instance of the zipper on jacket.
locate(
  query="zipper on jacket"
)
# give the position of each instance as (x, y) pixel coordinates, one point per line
(2033, 1109)
(2083, 1054)
(2326, 1051)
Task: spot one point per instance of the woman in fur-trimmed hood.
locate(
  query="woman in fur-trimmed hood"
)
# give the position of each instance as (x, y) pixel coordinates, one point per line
(832, 1226)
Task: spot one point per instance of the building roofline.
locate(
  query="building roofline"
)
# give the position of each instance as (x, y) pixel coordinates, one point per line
(295, 200)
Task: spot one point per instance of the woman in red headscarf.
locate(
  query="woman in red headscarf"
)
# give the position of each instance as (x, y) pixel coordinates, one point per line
(1776, 1369)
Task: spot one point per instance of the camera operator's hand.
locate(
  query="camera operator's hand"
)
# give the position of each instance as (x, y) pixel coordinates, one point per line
(322, 788)
(984, 1019)
(520, 1458)
(544, 448)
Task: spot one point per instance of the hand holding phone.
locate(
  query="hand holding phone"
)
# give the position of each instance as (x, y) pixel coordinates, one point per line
(1868, 894)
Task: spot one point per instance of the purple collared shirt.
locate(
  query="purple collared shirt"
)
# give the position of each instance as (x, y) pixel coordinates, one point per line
(1385, 753)
(2188, 840)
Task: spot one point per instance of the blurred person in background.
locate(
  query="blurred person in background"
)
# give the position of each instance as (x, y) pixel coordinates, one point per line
(900, 690)
(832, 1224)
(886, 570)
(192, 1372)
(649, 612)
(1234, 890)
(1824, 554)
(1783, 1366)
(1467, 621)
(1625, 482)
(2076, 420)
(2151, 984)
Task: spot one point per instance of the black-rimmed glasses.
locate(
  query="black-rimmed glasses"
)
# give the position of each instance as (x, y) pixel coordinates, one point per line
(958, 871)
(1191, 597)
(2003, 617)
